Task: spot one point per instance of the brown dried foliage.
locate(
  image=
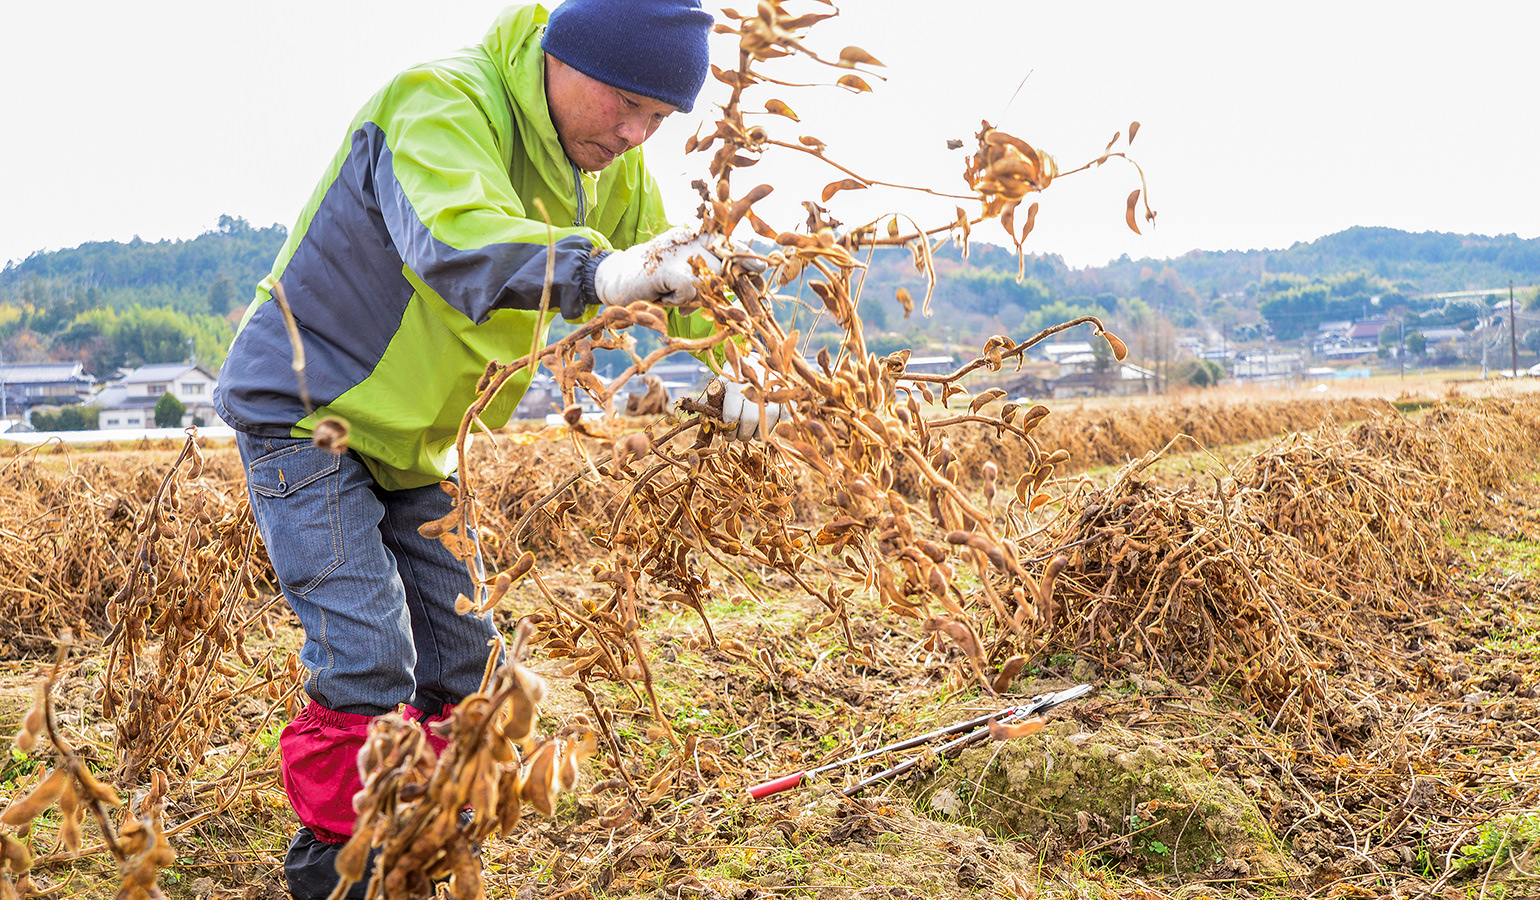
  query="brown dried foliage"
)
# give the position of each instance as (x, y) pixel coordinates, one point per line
(136, 836)
(177, 673)
(409, 811)
(872, 498)
(177, 659)
(67, 538)
(856, 420)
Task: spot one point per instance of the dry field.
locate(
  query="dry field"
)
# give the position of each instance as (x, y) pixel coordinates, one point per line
(1313, 649)
(1309, 619)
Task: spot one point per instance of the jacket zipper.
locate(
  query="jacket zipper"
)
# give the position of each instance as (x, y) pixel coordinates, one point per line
(582, 199)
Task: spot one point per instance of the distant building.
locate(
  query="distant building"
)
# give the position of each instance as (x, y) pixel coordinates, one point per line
(681, 375)
(1267, 367)
(1328, 373)
(25, 385)
(1023, 387)
(1348, 341)
(129, 400)
(930, 365)
(1367, 332)
(1057, 352)
(1128, 379)
(1446, 343)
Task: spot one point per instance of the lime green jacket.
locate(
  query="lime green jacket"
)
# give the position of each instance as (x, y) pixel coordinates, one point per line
(422, 255)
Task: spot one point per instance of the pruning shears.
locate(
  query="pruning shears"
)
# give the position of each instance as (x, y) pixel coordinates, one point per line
(968, 732)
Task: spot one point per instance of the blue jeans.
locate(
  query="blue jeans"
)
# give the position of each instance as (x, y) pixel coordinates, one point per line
(376, 599)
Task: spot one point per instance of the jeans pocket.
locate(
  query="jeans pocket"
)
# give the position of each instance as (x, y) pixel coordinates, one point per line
(295, 494)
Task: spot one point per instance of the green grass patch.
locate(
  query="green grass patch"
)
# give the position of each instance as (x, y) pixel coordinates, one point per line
(1497, 556)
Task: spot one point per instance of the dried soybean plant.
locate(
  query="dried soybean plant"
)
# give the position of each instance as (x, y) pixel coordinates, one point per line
(430, 798)
(136, 838)
(178, 671)
(68, 529)
(893, 525)
(177, 679)
(1266, 582)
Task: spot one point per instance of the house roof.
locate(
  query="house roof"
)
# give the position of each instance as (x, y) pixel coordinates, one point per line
(44, 372)
(161, 372)
(1066, 348)
(115, 396)
(1367, 328)
(1126, 372)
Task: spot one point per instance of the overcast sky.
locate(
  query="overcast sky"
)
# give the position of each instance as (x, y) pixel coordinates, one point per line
(1262, 124)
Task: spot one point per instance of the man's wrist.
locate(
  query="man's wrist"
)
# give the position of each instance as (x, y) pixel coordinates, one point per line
(590, 269)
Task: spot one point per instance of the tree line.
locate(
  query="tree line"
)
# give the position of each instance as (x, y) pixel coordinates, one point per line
(121, 304)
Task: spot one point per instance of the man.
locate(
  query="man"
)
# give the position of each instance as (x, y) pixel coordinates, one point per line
(420, 257)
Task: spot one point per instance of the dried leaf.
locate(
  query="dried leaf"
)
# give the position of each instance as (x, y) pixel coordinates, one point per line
(850, 57)
(850, 184)
(804, 21)
(1133, 129)
(732, 78)
(1133, 221)
(779, 108)
(854, 82)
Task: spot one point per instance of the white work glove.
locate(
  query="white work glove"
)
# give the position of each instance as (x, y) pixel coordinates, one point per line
(740, 409)
(658, 271)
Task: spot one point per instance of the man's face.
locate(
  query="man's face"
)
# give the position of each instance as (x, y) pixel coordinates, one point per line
(594, 121)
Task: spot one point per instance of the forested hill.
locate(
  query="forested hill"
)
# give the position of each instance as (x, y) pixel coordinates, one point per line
(110, 304)
(1419, 263)
(212, 273)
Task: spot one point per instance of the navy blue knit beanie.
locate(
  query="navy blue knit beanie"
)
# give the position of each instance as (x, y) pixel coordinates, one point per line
(656, 48)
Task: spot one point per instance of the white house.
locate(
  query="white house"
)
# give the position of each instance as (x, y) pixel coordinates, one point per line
(1267, 367)
(129, 401)
(1057, 352)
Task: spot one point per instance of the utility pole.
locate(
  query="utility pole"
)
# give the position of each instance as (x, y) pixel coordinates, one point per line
(1513, 335)
(1486, 342)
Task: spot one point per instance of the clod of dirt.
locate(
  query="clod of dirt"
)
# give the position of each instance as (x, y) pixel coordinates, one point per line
(1110, 790)
(859, 827)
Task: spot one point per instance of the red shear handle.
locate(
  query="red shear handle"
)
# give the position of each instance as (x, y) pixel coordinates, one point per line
(784, 783)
